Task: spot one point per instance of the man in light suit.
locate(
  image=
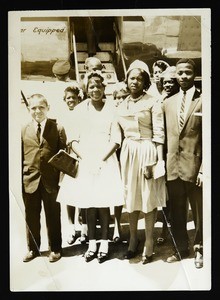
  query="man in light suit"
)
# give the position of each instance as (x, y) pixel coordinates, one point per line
(41, 139)
(184, 161)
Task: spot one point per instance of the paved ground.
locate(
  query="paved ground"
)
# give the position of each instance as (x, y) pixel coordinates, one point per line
(72, 273)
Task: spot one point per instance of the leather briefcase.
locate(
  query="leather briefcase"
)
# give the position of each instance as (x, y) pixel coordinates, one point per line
(65, 163)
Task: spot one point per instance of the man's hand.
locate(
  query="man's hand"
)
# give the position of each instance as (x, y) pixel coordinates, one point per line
(199, 180)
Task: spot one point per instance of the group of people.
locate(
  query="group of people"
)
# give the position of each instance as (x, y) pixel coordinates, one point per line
(140, 150)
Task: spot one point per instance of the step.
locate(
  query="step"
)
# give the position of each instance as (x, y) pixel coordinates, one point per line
(107, 67)
(103, 56)
(103, 46)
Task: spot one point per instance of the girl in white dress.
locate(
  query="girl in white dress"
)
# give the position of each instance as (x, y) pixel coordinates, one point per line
(97, 186)
(73, 95)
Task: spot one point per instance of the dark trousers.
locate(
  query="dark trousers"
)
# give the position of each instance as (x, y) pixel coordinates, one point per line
(32, 204)
(179, 193)
(91, 36)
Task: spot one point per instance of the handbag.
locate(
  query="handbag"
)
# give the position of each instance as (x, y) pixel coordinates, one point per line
(65, 163)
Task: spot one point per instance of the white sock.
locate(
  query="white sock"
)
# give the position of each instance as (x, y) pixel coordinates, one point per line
(92, 245)
(71, 229)
(116, 231)
(103, 246)
(84, 229)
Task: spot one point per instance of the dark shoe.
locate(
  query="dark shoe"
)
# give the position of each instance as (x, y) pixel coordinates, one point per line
(198, 259)
(161, 240)
(54, 256)
(117, 240)
(131, 254)
(84, 239)
(30, 256)
(90, 255)
(71, 239)
(146, 259)
(102, 257)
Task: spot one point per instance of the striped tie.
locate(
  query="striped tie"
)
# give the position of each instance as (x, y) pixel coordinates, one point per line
(182, 108)
(38, 131)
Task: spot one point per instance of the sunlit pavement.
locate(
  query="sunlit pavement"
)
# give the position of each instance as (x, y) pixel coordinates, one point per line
(72, 273)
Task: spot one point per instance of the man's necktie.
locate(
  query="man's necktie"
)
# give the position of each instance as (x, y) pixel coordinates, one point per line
(38, 131)
(182, 108)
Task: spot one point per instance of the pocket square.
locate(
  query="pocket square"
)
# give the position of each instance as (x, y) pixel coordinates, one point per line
(198, 114)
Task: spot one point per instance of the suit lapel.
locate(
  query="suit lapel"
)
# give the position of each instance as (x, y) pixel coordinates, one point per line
(32, 132)
(193, 104)
(49, 131)
(46, 130)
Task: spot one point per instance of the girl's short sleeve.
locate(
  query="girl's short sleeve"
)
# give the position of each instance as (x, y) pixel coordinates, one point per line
(115, 134)
(158, 123)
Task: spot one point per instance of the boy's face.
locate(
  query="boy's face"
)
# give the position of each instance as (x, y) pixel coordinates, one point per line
(185, 75)
(38, 109)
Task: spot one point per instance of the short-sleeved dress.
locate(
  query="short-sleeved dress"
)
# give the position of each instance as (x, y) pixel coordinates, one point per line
(94, 131)
(143, 125)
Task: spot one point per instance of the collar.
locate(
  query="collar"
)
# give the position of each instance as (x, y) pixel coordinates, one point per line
(136, 99)
(190, 91)
(41, 123)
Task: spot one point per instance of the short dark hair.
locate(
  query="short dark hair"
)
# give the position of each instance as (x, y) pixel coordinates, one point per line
(73, 89)
(40, 97)
(187, 61)
(93, 74)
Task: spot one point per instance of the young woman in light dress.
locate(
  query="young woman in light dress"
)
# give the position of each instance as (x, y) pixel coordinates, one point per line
(98, 185)
(142, 166)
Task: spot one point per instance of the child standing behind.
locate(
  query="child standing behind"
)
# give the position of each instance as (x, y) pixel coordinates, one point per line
(72, 96)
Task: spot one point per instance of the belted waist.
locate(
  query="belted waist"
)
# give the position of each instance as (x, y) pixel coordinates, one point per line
(138, 139)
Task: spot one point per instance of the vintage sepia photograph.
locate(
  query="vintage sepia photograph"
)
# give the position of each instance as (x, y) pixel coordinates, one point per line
(110, 150)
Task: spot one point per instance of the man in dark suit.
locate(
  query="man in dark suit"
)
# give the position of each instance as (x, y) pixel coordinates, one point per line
(183, 122)
(41, 139)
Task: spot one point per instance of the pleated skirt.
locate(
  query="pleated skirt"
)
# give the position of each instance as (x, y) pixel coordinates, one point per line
(140, 194)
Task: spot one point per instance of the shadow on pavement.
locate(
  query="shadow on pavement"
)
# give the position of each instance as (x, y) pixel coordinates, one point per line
(117, 250)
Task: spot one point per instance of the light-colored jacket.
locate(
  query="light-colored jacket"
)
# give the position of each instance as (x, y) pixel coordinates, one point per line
(184, 149)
